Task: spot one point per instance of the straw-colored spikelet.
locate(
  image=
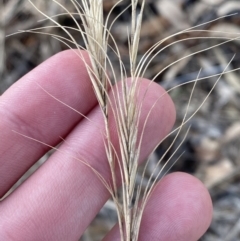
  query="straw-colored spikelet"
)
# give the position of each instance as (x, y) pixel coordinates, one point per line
(122, 106)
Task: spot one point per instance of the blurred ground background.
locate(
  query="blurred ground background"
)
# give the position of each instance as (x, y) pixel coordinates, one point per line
(212, 147)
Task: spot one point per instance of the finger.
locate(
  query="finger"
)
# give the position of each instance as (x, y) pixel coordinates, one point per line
(65, 195)
(179, 209)
(27, 109)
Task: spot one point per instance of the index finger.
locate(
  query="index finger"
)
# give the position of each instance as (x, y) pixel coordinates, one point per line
(27, 109)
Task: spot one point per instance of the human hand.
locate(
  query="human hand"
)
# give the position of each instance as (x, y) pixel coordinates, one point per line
(59, 201)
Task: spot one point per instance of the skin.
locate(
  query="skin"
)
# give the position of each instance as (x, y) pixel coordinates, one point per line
(60, 199)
